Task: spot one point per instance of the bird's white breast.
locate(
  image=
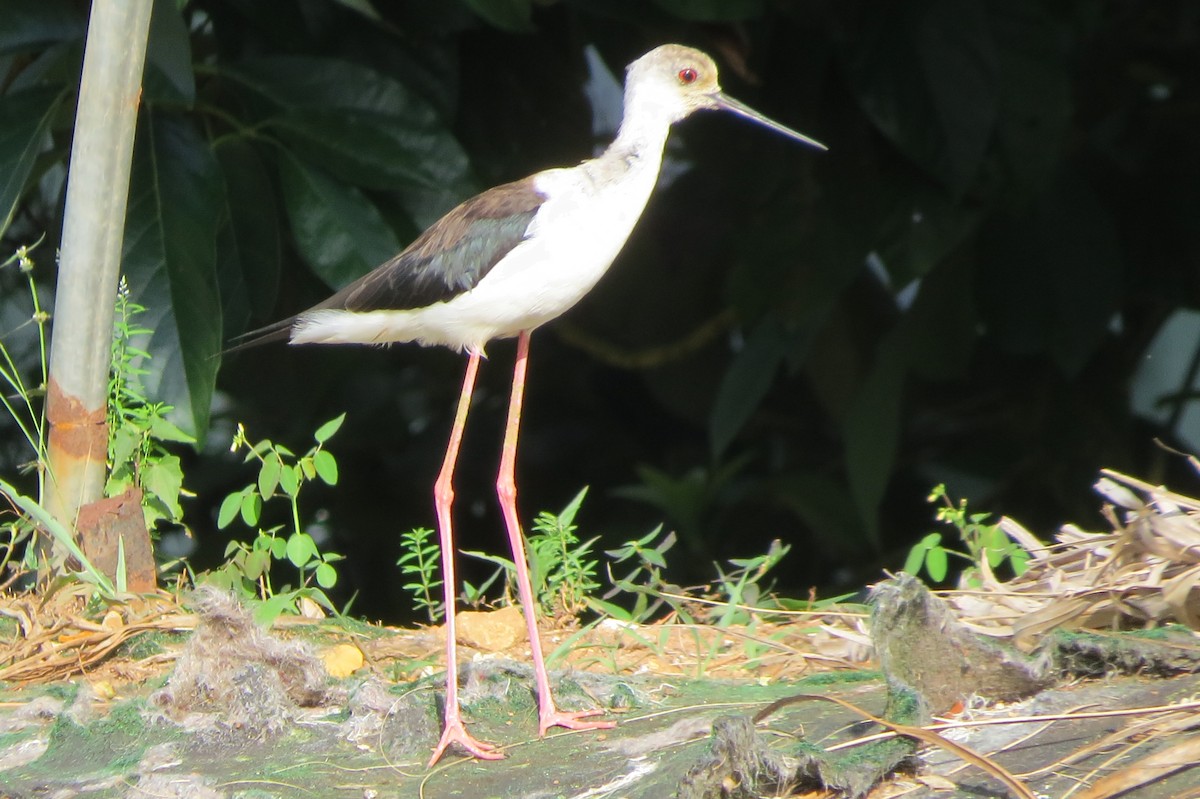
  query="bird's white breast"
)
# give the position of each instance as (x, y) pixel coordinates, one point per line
(569, 245)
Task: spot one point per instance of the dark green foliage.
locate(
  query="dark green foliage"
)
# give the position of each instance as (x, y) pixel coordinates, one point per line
(961, 290)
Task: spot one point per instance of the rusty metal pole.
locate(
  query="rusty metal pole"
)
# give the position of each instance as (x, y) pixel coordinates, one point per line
(97, 191)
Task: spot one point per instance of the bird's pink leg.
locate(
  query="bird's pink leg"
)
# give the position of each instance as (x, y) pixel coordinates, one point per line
(548, 715)
(443, 498)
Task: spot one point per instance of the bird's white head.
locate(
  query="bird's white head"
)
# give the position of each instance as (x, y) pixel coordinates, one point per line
(674, 81)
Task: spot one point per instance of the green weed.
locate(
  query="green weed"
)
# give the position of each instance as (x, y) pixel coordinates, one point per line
(419, 564)
(281, 475)
(561, 567)
(742, 589)
(982, 540)
(138, 429)
(25, 405)
(644, 582)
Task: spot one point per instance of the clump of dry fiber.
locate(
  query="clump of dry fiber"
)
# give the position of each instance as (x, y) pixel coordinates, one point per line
(1144, 573)
(234, 675)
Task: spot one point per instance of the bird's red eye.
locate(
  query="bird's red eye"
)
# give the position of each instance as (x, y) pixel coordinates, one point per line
(688, 75)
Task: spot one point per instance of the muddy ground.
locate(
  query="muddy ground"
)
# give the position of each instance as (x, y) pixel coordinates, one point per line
(227, 710)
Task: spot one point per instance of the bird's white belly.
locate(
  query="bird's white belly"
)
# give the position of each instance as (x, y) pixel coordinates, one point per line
(572, 242)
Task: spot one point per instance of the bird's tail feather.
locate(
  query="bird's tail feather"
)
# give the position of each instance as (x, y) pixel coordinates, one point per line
(279, 331)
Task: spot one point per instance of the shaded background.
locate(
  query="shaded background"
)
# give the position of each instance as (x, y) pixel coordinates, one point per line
(990, 280)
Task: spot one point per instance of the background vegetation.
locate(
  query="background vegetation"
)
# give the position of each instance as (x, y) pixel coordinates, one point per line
(967, 289)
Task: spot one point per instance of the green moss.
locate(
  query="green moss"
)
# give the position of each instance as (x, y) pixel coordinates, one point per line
(125, 718)
(841, 677)
(904, 706)
(66, 691)
(8, 739)
(112, 744)
(624, 697)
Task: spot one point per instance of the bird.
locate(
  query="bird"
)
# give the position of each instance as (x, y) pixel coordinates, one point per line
(500, 265)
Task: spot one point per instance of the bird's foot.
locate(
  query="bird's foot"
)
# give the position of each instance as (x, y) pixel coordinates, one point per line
(456, 734)
(572, 720)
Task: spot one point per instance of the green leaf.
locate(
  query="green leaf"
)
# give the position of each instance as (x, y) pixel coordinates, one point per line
(747, 381)
(916, 555)
(251, 507)
(33, 24)
(289, 479)
(300, 549)
(926, 73)
(326, 576)
(360, 125)
(937, 564)
(608, 609)
(270, 609)
(278, 548)
(25, 119)
(340, 233)
(62, 536)
(326, 431)
(257, 564)
(121, 576)
(513, 16)
(268, 475)
(122, 443)
(363, 7)
(168, 72)
(165, 430)
(162, 478)
(261, 449)
(326, 466)
(250, 257)
(654, 558)
(567, 516)
(872, 432)
(993, 537)
(1020, 562)
(230, 507)
(170, 262)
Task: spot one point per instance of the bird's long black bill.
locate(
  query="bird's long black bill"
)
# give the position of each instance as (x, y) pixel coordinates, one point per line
(727, 103)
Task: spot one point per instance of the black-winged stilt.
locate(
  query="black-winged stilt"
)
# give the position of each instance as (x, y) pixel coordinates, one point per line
(499, 265)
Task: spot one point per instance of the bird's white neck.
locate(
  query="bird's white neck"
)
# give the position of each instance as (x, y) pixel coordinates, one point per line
(640, 140)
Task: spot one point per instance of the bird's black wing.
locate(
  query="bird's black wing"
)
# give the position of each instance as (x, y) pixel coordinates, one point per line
(450, 257)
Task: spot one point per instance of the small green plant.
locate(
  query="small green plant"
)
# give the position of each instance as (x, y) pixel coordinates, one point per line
(137, 433)
(476, 596)
(19, 398)
(645, 581)
(561, 567)
(138, 429)
(980, 539)
(560, 562)
(742, 588)
(35, 515)
(281, 474)
(24, 404)
(419, 563)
